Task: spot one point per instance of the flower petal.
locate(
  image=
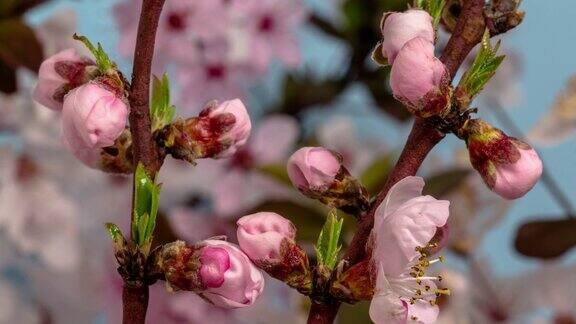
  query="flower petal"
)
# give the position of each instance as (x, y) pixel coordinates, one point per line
(386, 308)
(401, 192)
(410, 226)
(422, 312)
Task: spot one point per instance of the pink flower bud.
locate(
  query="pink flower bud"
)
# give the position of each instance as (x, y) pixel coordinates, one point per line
(92, 117)
(416, 72)
(57, 75)
(216, 270)
(508, 166)
(261, 235)
(231, 280)
(238, 134)
(313, 168)
(516, 179)
(400, 27)
(214, 264)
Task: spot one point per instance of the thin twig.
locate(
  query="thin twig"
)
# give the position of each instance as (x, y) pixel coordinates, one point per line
(135, 295)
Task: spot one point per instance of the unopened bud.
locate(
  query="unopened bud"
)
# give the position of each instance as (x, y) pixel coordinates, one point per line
(216, 270)
(400, 27)
(419, 79)
(508, 166)
(93, 117)
(319, 174)
(269, 241)
(218, 132)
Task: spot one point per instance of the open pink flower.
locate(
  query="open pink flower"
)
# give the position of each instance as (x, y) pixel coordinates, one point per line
(416, 71)
(404, 225)
(398, 28)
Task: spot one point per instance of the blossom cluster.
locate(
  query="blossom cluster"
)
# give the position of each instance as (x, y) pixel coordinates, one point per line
(216, 47)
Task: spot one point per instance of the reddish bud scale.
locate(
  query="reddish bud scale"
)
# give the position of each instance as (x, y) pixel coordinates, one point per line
(197, 137)
(345, 193)
(483, 155)
(355, 284)
(293, 268)
(436, 102)
(180, 266)
(76, 73)
(118, 158)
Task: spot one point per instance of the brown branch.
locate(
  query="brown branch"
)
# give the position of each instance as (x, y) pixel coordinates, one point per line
(135, 303)
(144, 146)
(323, 313)
(422, 139)
(135, 295)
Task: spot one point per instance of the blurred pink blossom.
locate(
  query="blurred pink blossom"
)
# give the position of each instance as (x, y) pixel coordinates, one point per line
(271, 26)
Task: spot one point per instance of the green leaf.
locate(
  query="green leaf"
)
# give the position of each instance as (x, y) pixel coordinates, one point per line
(116, 235)
(161, 111)
(19, 46)
(443, 183)
(327, 247)
(434, 8)
(105, 64)
(482, 69)
(146, 199)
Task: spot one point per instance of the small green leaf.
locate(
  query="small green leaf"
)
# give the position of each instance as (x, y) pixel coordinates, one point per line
(482, 69)
(146, 198)
(327, 247)
(105, 64)
(433, 7)
(116, 235)
(161, 110)
(114, 232)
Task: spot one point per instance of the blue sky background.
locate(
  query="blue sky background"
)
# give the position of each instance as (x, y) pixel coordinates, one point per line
(545, 41)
